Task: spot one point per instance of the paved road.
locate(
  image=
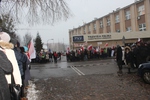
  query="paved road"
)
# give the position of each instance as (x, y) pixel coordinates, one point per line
(64, 68)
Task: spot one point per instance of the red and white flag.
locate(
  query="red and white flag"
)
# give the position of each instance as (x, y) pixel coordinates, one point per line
(106, 44)
(82, 48)
(90, 47)
(31, 53)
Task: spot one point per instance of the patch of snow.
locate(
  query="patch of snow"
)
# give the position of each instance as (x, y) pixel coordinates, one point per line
(32, 93)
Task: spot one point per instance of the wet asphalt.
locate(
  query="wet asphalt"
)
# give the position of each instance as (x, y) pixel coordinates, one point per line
(63, 68)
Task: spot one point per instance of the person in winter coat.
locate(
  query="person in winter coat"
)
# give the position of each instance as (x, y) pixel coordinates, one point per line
(27, 71)
(119, 59)
(50, 57)
(24, 65)
(85, 54)
(18, 55)
(5, 68)
(55, 57)
(8, 49)
(141, 53)
(128, 57)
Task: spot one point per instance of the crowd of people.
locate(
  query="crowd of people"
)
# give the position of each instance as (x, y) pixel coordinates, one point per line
(132, 55)
(14, 63)
(89, 54)
(47, 56)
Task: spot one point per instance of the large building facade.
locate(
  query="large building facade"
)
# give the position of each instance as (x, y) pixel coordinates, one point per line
(120, 27)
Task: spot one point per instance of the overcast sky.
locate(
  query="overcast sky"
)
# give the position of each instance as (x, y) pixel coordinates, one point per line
(83, 11)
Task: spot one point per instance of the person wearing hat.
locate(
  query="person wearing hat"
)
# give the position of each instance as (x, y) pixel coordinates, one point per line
(7, 48)
(128, 58)
(28, 66)
(25, 67)
(21, 60)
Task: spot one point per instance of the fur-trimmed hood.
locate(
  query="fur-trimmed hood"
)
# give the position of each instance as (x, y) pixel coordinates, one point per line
(6, 45)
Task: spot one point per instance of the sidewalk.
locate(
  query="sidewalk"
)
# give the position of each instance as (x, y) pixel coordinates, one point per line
(94, 87)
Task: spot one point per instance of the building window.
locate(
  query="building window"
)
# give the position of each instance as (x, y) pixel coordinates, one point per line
(128, 29)
(118, 31)
(108, 22)
(101, 24)
(117, 19)
(142, 27)
(141, 10)
(94, 26)
(89, 28)
(127, 15)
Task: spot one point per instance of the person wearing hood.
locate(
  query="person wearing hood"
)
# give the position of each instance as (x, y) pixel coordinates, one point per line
(128, 57)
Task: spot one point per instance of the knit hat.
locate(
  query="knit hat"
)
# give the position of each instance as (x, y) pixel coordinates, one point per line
(25, 48)
(4, 37)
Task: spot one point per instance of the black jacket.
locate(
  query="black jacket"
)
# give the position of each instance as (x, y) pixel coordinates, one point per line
(128, 57)
(119, 54)
(5, 68)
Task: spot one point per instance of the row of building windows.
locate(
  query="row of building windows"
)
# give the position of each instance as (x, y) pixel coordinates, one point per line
(142, 27)
(140, 11)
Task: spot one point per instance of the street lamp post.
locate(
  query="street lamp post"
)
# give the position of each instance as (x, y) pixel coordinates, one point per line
(47, 42)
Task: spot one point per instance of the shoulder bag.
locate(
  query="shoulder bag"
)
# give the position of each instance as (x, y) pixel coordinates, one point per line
(15, 89)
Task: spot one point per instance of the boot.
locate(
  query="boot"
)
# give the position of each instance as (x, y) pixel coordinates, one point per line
(24, 98)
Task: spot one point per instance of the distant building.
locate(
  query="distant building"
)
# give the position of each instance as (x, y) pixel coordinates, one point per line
(122, 26)
(58, 47)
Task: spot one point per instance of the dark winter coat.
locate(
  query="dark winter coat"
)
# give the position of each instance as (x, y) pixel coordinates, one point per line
(20, 59)
(5, 68)
(119, 54)
(141, 53)
(128, 57)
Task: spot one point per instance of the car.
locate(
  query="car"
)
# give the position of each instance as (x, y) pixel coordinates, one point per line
(144, 72)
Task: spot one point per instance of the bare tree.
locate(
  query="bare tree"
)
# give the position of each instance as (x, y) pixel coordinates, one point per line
(7, 24)
(27, 38)
(47, 11)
